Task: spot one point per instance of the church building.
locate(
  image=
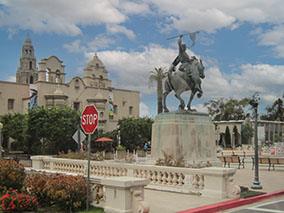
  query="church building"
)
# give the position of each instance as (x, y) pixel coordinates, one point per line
(45, 86)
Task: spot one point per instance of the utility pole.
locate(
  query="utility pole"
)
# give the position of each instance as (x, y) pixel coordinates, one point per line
(254, 103)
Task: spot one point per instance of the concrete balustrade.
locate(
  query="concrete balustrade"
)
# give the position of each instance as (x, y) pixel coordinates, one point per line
(208, 182)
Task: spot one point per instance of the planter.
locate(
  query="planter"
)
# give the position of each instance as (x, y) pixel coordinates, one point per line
(141, 153)
(109, 156)
(121, 154)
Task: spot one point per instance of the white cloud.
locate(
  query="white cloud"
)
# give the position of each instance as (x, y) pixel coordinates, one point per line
(132, 68)
(144, 110)
(275, 38)
(130, 7)
(113, 29)
(263, 78)
(74, 47)
(99, 42)
(61, 17)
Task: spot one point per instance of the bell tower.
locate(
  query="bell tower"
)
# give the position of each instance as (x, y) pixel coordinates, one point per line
(27, 71)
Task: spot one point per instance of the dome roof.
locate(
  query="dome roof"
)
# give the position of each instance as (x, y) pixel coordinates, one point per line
(28, 41)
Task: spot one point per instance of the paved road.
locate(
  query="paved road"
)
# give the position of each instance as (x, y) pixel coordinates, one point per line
(271, 205)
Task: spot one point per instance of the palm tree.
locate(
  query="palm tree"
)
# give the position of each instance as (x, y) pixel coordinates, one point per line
(158, 75)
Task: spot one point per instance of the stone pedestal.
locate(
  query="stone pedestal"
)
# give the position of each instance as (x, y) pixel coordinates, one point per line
(181, 133)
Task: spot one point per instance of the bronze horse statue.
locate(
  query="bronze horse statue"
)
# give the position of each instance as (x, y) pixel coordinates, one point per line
(181, 81)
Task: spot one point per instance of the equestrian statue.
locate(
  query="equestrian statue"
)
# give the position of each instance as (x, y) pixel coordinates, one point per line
(187, 77)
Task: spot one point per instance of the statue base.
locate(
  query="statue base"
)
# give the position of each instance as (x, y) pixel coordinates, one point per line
(190, 135)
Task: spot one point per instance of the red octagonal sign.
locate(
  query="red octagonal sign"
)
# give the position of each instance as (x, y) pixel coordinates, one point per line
(89, 119)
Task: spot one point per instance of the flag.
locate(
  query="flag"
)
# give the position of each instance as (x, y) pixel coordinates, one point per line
(192, 36)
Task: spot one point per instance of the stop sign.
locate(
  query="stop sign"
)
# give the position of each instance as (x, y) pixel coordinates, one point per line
(89, 119)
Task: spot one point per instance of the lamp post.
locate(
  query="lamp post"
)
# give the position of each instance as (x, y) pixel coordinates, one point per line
(1, 148)
(254, 103)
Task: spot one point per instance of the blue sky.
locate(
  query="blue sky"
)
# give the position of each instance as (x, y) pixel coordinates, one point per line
(241, 42)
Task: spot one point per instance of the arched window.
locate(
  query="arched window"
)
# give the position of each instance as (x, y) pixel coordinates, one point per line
(31, 80)
(31, 65)
(57, 76)
(47, 75)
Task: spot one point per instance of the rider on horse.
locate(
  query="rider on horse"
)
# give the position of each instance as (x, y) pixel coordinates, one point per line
(184, 59)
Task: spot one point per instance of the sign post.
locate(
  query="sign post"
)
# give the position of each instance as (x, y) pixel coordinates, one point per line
(89, 122)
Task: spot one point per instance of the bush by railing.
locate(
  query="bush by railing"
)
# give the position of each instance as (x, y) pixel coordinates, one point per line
(66, 192)
(12, 175)
(83, 155)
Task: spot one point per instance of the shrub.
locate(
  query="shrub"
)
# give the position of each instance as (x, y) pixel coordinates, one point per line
(35, 185)
(12, 175)
(83, 155)
(120, 148)
(18, 202)
(66, 192)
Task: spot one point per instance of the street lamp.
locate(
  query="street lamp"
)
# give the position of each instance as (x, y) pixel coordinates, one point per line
(1, 148)
(254, 103)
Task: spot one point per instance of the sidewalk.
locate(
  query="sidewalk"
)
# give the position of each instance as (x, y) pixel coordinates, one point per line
(168, 202)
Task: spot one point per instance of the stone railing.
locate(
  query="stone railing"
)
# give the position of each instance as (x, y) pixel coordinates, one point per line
(208, 182)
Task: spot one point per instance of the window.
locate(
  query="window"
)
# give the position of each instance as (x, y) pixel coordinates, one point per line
(31, 65)
(31, 80)
(57, 76)
(115, 109)
(11, 103)
(76, 105)
(130, 110)
(101, 114)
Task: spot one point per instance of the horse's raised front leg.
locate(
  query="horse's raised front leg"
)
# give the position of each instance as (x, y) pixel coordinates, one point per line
(190, 100)
(182, 104)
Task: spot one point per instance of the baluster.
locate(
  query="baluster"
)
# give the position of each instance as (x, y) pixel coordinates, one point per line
(145, 174)
(149, 175)
(174, 179)
(201, 182)
(194, 181)
(164, 178)
(159, 178)
(140, 173)
(169, 179)
(154, 177)
(120, 172)
(105, 171)
(125, 172)
(180, 179)
(135, 173)
(99, 171)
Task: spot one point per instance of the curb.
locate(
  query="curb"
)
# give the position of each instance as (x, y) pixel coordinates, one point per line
(233, 203)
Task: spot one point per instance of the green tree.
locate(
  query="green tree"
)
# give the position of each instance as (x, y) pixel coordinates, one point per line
(135, 132)
(237, 135)
(246, 133)
(275, 112)
(158, 75)
(224, 110)
(227, 137)
(50, 131)
(14, 126)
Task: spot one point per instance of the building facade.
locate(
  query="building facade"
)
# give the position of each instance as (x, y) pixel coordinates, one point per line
(46, 86)
(268, 131)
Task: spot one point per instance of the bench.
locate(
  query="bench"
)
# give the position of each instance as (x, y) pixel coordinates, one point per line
(270, 161)
(16, 155)
(232, 159)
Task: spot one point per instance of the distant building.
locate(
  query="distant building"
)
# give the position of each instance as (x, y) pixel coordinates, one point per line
(268, 131)
(46, 86)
